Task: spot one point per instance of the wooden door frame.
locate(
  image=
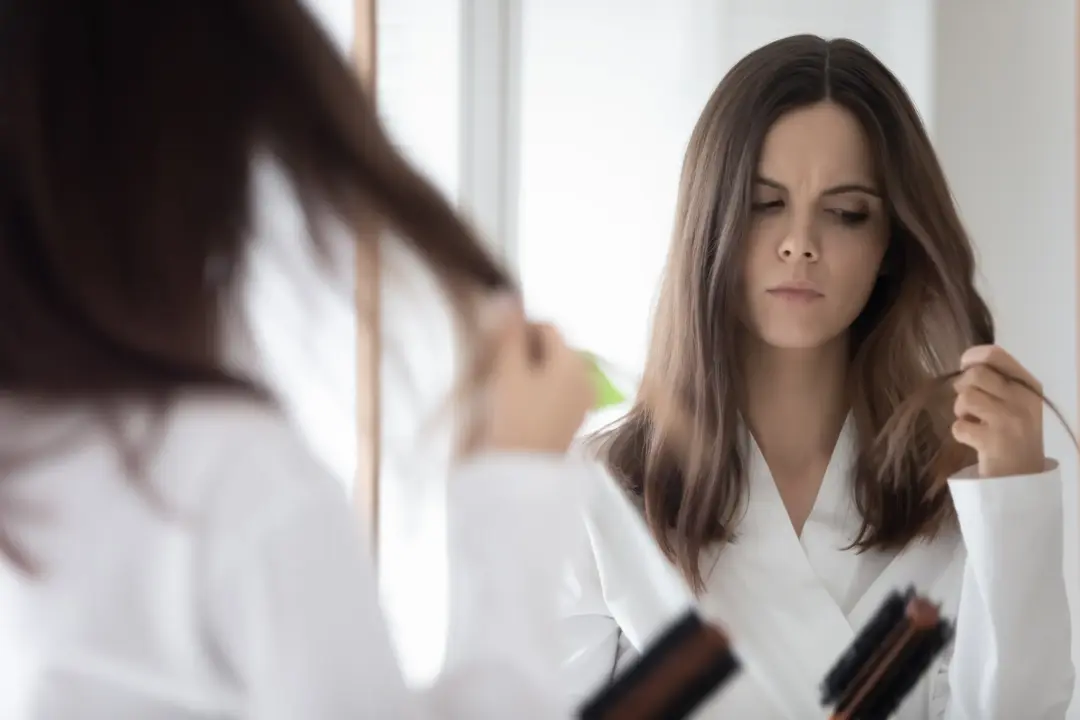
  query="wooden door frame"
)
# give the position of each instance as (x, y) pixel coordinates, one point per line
(369, 327)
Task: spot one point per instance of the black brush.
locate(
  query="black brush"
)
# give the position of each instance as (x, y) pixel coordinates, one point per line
(871, 636)
(678, 671)
(904, 676)
(886, 659)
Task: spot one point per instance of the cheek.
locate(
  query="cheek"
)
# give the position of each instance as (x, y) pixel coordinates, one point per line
(759, 259)
(856, 268)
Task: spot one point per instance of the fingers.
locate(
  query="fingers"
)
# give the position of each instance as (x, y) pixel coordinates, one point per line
(558, 357)
(997, 413)
(979, 416)
(985, 379)
(504, 317)
(989, 369)
(998, 359)
(1000, 439)
(539, 393)
(562, 361)
(539, 349)
(975, 435)
(545, 343)
(979, 406)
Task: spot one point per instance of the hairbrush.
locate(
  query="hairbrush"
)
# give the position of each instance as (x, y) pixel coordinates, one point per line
(677, 672)
(886, 659)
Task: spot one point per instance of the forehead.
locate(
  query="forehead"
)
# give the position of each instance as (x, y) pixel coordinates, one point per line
(821, 144)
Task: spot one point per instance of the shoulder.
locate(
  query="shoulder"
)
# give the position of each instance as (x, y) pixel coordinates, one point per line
(224, 460)
(208, 471)
(222, 426)
(603, 488)
(250, 484)
(227, 422)
(612, 516)
(621, 548)
(178, 448)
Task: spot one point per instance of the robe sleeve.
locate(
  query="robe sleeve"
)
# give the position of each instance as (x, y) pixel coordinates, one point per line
(1012, 654)
(293, 608)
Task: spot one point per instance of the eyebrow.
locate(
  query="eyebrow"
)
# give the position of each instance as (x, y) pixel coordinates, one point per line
(835, 190)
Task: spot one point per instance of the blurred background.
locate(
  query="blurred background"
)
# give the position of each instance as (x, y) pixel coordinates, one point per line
(558, 127)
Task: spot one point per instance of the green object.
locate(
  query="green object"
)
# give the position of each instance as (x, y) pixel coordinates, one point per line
(607, 395)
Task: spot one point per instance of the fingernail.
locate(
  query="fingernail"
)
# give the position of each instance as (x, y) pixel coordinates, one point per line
(972, 355)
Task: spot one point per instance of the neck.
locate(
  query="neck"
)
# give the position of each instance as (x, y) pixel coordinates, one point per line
(797, 400)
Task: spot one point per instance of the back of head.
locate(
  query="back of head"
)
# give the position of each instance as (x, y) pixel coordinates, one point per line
(128, 134)
(126, 144)
(681, 448)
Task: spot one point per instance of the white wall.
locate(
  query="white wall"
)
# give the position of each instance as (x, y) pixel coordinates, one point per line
(1005, 127)
(610, 90)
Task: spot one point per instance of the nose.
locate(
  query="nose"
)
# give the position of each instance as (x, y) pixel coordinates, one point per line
(800, 244)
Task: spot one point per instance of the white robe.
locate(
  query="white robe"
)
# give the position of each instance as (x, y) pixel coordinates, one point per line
(792, 604)
(229, 579)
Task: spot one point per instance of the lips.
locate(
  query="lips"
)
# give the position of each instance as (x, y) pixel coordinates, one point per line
(796, 292)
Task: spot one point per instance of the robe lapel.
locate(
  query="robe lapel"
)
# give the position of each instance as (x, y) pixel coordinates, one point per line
(921, 564)
(786, 625)
(789, 604)
(642, 589)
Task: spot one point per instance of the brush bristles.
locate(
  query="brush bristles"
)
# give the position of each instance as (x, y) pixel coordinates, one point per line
(886, 659)
(682, 668)
(903, 677)
(865, 643)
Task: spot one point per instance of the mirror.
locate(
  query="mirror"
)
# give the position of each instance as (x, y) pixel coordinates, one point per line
(560, 127)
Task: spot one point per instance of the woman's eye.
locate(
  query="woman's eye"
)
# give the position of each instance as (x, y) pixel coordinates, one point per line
(851, 217)
(765, 207)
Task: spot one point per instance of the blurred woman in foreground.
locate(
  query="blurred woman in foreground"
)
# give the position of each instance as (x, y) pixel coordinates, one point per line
(170, 549)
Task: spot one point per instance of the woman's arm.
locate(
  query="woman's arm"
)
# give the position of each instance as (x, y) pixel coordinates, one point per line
(293, 609)
(1012, 655)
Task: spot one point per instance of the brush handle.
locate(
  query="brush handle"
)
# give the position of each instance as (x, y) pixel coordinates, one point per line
(886, 659)
(679, 671)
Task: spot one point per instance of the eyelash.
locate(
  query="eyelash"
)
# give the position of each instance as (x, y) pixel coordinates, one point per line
(846, 217)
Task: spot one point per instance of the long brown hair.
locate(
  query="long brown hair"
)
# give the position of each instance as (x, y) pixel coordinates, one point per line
(127, 138)
(681, 449)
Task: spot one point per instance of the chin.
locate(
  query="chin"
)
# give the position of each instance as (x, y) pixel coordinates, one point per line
(796, 338)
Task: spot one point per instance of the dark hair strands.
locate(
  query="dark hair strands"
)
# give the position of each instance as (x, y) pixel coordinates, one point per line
(128, 139)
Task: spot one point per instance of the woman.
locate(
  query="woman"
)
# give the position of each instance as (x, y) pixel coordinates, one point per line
(818, 278)
(168, 547)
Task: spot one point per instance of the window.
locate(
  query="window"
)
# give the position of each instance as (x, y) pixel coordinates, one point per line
(418, 86)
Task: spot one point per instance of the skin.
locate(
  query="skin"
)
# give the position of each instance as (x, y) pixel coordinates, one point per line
(819, 221)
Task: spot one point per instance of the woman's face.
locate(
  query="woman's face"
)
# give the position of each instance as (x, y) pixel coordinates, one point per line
(818, 229)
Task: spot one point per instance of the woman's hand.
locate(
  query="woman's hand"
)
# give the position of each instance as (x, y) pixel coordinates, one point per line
(996, 415)
(539, 390)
